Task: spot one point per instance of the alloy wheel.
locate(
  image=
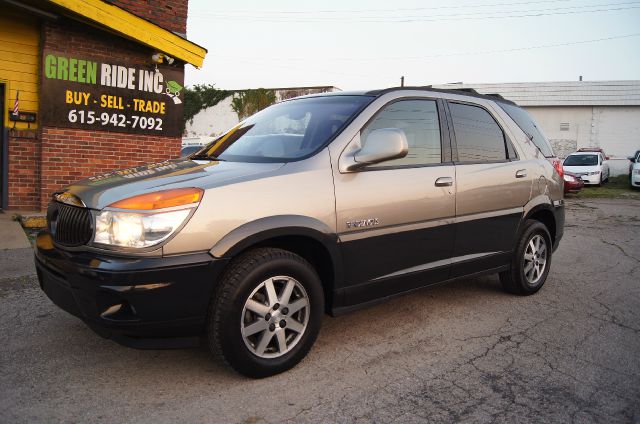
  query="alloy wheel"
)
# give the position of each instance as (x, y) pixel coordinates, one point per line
(535, 259)
(275, 317)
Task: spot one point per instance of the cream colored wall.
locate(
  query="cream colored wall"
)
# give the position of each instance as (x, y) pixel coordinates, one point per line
(616, 129)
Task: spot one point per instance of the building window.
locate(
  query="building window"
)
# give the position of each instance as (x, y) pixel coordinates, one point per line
(564, 126)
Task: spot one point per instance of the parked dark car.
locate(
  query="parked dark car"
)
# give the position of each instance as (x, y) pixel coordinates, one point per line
(632, 160)
(572, 183)
(634, 170)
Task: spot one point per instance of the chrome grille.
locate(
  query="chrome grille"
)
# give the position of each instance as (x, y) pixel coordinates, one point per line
(69, 225)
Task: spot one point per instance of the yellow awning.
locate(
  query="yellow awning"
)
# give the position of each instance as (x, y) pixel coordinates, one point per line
(131, 26)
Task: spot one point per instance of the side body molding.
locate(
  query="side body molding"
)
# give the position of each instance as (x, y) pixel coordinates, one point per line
(262, 229)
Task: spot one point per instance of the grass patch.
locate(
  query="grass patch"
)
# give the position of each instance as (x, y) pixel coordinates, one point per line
(616, 188)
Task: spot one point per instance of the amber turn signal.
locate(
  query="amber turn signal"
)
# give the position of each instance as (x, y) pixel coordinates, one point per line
(161, 199)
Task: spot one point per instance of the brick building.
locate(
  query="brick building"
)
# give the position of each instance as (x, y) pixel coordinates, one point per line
(96, 85)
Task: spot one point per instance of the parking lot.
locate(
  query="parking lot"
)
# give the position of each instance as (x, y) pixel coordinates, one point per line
(464, 352)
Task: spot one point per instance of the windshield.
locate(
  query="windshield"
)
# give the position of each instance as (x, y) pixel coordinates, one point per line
(286, 131)
(581, 160)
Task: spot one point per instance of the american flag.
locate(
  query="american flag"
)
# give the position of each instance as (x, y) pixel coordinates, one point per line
(16, 105)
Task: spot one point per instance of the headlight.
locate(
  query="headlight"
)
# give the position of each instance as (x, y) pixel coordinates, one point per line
(132, 229)
(568, 178)
(636, 171)
(151, 218)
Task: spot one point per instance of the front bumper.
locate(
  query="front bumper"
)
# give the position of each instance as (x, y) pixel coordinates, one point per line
(635, 180)
(590, 179)
(145, 302)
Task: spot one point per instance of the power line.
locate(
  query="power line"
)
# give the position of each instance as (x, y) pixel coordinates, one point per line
(429, 18)
(305, 12)
(473, 53)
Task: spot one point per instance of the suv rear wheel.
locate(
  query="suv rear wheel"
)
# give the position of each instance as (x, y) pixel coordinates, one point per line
(266, 312)
(531, 261)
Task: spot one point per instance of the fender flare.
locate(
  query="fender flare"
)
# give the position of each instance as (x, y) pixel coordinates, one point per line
(254, 232)
(537, 204)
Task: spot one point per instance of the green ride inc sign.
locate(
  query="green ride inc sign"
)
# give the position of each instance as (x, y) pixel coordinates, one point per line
(89, 93)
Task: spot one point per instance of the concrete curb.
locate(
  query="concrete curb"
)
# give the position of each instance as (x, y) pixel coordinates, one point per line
(12, 236)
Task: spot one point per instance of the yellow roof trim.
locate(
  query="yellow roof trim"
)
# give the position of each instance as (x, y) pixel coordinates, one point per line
(132, 26)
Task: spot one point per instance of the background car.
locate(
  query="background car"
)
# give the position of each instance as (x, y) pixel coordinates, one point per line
(594, 149)
(632, 160)
(591, 167)
(572, 183)
(634, 172)
(186, 151)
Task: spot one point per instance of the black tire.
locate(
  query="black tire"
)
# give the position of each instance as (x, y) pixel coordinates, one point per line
(244, 274)
(514, 280)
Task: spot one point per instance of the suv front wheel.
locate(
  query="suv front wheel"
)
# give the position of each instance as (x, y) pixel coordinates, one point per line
(266, 312)
(531, 261)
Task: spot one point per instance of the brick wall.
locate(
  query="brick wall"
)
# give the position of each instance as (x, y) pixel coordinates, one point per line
(73, 38)
(169, 14)
(70, 154)
(24, 172)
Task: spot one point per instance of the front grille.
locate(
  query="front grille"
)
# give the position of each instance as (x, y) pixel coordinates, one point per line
(69, 225)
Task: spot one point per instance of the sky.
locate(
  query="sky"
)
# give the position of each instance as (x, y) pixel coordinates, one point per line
(370, 44)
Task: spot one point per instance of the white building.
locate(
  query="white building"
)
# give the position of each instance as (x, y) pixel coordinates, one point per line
(579, 114)
(215, 120)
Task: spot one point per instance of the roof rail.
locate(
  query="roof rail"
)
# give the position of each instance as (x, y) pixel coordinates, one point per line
(464, 90)
(461, 91)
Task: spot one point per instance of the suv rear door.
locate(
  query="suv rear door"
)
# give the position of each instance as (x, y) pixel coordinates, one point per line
(493, 186)
(395, 219)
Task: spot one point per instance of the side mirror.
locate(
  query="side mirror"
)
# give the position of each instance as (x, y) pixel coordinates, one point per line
(381, 145)
(606, 158)
(632, 159)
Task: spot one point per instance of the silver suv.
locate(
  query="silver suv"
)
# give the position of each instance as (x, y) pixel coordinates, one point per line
(324, 203)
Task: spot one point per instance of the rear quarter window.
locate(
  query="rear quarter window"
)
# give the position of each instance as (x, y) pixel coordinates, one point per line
(529, 127)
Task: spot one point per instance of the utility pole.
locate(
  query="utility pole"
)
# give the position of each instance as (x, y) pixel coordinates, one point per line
(402, 81)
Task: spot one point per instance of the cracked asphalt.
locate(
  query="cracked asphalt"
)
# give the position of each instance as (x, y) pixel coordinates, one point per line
(464, 352)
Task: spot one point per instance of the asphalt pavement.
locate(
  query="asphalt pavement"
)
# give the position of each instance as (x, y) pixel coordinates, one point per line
(463, 352)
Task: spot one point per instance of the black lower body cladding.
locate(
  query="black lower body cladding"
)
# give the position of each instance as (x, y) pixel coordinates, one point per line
(141, 302)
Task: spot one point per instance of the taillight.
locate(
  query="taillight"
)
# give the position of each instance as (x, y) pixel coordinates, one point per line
(557, 165)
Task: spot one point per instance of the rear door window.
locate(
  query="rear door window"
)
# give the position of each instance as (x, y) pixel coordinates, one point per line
(479, 138)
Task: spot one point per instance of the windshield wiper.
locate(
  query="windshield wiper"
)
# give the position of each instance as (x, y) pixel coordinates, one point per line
(204, 156)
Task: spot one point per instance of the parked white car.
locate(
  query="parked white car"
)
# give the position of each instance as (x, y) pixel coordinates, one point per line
(591, 167)
(634, 172)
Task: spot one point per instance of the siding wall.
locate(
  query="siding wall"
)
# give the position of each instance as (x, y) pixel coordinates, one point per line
(616, 129)
(19, 49)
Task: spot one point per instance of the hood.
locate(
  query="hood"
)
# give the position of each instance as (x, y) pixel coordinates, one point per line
(102, 190)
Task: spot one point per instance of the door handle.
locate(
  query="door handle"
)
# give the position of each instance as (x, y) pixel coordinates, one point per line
(444, 182)
(521, 173)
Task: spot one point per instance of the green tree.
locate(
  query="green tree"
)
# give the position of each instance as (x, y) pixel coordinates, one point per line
(246, 103)
(199, 97)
